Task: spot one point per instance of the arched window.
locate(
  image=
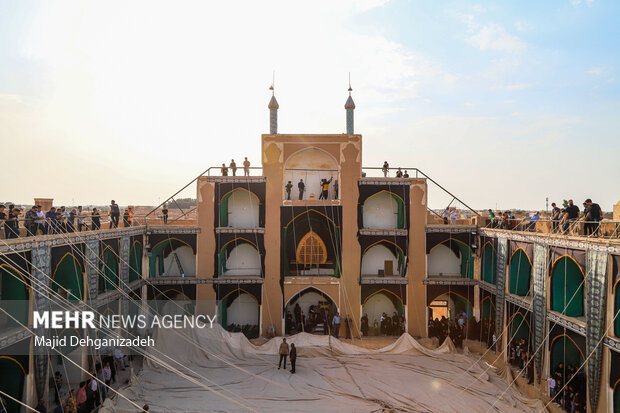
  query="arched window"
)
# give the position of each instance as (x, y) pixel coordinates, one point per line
(311, 250)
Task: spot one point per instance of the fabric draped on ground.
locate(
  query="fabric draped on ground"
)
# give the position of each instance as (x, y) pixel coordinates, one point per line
(331, 376)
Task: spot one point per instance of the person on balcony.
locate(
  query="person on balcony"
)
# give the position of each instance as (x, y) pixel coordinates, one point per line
(288, 188)
(399, 173)
(592, 216)
(555, 216)
(385, 169)
(532, 221)
(95, 219)
(325, 188)
(224, 170)
(406, 174)
(246, 167)
(115, 214)
(302, 187)
(233, 167)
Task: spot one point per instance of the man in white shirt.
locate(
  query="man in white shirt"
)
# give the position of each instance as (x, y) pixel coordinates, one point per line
(80, 218)
(120, 359)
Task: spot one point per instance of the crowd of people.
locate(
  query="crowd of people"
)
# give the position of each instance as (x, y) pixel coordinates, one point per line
(232, 167)
(567, 388)
(456, 329)
(301, 189)
(318, 320)
(90, 393)
(519, 357)
(399, 172)
(62, 220)
(385, 326)
(561, 218)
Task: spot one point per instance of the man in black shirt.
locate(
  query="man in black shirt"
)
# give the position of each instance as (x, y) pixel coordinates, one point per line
(592, 216)
(288, 187)
(115, 214)
(165, 214)
(302, 188)
(573, 212)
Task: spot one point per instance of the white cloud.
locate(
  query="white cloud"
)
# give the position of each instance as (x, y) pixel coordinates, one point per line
(597, 70)
(523, 26)
(517, 86)
(495, 37)
(577, 3)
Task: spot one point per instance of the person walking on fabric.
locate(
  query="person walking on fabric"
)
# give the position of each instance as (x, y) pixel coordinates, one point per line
(283, 353)
(293, 356)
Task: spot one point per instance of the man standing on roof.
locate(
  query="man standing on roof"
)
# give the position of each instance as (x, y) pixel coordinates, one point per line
(283, 353)
(233, 167)
(115, 214)
(246, 167)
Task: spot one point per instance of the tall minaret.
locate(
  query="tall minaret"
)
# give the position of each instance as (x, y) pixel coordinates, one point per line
(273, 112)
(349, 107)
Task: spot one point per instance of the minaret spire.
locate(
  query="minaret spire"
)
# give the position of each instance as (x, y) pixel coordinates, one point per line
(273, 108)
(349, 107)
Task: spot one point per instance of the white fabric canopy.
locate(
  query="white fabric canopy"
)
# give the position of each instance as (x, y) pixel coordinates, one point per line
(332, 376)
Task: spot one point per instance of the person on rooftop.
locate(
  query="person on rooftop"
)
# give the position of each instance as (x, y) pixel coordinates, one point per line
(532, 221)
(592, 216)
(385, 169)
(399, 173)
(555, 216)
(246, 167)
(233, 167)
(224, 170)
(406, 174)
(115, 214)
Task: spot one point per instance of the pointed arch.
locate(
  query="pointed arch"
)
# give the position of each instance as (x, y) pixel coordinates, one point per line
(69, 276)
(489, 263)
(224, 207)
(567, 287)
(156, 261)
(164, 293)
(517, 330)
(12, 380)
(227, 248)
(466, 303)
(384, 221)
(398, 253)
(309, 289)
(559, 353)
(467, 260)
(135, 261)
(520, 273)
(108, 278)
(307, 212)
(311, 250)
(491, 308)
(246, 323)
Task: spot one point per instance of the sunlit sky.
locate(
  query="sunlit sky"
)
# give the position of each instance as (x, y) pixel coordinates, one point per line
(504, 103)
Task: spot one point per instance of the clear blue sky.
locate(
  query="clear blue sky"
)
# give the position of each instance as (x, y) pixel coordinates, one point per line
(505, 103)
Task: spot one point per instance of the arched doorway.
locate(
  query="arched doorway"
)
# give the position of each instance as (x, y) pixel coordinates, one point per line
(450, 258)
(168, 255)
(172, 302)
(487, 320)
(520, 328)
(383, 210)
(379, 303)
(567, 287)
(135, 262)
(12, 377)
(564, 350)
(310, 305)
(520, 272)
(489, 264)
(450, 305)
(239, 257)
(383, 258)
(240, 208)
(13, 297)
(108, 271)
(311, 165)
(312, 245)
(239, 311)
(68, 278)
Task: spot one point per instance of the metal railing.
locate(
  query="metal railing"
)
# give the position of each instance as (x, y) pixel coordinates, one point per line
(603, 229)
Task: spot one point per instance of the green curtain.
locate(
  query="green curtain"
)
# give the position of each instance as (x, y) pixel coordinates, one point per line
(401, 211)
(489, 264)
(157, 266)
(467, 261)
(221, 261)
(224, 210)
(13, 296)
(567, 288)
(519, 328)
(461, 305)
(487, 310)
(520, 271)
(108, 278)
(565, 351)
(617, 311)
(68, 275)
(11, 382)
(135, 263)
